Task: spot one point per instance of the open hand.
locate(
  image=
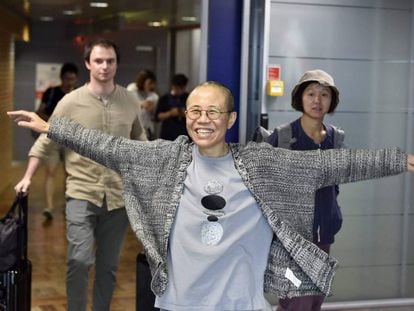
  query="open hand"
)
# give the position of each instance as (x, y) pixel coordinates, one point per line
(29, 120)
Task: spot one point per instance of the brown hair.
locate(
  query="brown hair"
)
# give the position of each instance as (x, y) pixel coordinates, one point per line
(101, 42)
(144, 75)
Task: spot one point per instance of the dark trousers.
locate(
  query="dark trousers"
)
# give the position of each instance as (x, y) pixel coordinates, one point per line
(145, 298)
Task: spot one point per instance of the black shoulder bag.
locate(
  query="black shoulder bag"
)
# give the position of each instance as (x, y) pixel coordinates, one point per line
(13, 234)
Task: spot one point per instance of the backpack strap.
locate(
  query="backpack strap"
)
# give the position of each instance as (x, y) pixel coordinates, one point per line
(284, 136)
(282, 132)
(338, 138)
(261, 134)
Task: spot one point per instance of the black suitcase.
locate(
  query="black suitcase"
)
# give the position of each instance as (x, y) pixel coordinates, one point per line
(144, 297)
(15, 288)
(15, 282)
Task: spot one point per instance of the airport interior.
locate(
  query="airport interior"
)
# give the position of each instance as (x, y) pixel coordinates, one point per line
(259, 49)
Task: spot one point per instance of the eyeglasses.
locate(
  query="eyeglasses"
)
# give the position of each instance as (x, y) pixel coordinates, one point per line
(212, 114)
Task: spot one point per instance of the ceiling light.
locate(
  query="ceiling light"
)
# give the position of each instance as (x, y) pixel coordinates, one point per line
(189, 18)
(76, 11)
(26, 33)
(144, 48)
(69, 12)
(154, 24)
(163, 23)
(98, 4)
(46, 18)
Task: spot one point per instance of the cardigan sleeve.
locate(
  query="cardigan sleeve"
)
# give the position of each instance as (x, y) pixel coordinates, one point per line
(108, 150)
(340, 166)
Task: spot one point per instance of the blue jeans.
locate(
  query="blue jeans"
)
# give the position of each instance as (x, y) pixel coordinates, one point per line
(95, 236)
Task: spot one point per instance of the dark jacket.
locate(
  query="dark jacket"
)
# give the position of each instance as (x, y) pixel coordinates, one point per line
(328, 217)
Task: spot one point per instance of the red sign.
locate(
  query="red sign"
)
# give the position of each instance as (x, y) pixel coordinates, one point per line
(273, 72)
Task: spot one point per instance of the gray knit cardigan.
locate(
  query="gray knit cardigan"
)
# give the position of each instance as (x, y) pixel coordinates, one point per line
(283, 183)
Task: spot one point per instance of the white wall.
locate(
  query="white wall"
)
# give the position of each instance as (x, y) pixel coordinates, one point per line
(187, 55)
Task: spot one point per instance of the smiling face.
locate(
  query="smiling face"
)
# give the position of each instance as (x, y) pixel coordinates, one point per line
(209, 135)
(316, 100)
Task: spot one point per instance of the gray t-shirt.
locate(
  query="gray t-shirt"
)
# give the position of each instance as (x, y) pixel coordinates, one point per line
(216, 264)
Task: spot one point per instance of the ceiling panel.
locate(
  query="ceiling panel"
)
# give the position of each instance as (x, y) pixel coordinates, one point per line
(134, 13)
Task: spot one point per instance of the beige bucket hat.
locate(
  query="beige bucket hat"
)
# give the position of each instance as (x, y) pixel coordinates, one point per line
(321, 77)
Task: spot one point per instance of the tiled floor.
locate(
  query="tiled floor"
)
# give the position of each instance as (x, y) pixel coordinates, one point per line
(47, 251)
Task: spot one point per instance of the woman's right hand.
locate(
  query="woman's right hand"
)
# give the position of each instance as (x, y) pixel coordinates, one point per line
(29, 120)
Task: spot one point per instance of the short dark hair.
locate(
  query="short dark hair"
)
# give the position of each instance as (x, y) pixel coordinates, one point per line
(68, 67)
(102, 42)
(180, 80)
(297, 103)
(229, 99)
(144, 75)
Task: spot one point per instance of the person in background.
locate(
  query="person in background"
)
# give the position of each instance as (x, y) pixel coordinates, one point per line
(144, 89)
(222, 223)
(171, 109)
(50, 98)
(315, 96)
(96, 219)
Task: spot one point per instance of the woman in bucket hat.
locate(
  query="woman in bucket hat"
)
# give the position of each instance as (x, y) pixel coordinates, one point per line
(315, 95)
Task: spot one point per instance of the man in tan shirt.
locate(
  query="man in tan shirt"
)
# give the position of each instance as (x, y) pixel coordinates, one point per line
(96, 220)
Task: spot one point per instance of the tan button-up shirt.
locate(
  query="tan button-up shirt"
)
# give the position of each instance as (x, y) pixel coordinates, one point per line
(118, 115)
